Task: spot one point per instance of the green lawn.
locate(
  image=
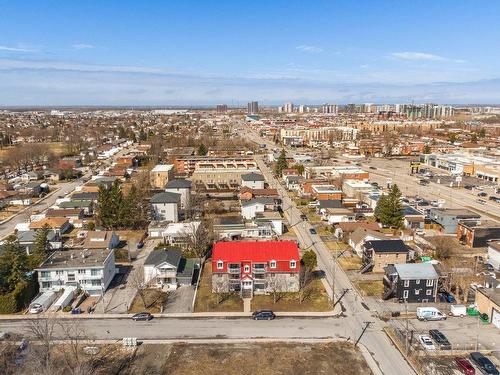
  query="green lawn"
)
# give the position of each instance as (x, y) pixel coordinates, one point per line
(372, 288)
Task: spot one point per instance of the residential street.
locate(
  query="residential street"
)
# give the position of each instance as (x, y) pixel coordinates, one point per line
(384, 353)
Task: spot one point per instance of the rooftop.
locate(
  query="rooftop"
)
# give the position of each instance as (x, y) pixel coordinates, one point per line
(252, 177)
(162, 168)
(257, 251)
(416, 271)
(74, 258)
(165, 197)
(171, 255)
(178, 183)
(387, 246)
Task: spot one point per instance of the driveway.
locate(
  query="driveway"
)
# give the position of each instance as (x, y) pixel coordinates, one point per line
(180, 300)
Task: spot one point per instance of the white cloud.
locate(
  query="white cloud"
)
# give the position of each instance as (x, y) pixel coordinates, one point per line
(422, 56)
(16, 49)
(82, 46)
(309, 49)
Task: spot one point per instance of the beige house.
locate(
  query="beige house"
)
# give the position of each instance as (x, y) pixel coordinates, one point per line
(160, 175)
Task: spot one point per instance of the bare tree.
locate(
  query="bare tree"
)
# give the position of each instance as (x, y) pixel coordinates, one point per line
(221, 288)
(138, 283)
(43, 330)
(278, 287)
(305, 277)
(199, 238)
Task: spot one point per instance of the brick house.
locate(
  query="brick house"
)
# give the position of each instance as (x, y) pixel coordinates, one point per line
(378, 254)
(255, 267)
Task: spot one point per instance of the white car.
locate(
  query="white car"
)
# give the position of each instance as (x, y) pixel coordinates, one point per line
(36, 310)
(426, 342)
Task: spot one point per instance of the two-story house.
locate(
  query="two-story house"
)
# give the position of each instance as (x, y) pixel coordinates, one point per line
(165, 206)
(256, 267)
(411, 282)
(253, 180)
(377, 254)
(89, 270)
(182, 187)
(167, 268)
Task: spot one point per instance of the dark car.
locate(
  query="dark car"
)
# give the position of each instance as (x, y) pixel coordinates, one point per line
(313, 231)
(468, 187)
(440, 339)
(143, 316)
(140, 245)
(303, 217)
(263, 315)
(493, 198)
(482, 194)
(465, 366)
(484, 364)
(372, 167)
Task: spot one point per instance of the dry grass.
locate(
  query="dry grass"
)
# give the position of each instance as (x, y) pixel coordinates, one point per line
(350, 263)
(207, 301)
(372, 288)
(316, 301)
(132, 236)
(155, 298)
(248, 359)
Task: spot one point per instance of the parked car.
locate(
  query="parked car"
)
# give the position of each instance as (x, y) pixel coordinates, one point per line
(481, 201)
(468, 187)
(493, 198)
(484, 364)
(420, 232)
(444, 296)
(36, 309)
(263, 315)
(140, 245)
(440, 339)
(458, 310)
(372, 167)
(143, 316)
(429, 313)
(482, 194)
(303, 217)
(465, 366)
(313, 231)
(426, 342)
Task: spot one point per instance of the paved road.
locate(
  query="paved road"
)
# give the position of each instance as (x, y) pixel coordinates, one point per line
(385, 354)
(171, 328)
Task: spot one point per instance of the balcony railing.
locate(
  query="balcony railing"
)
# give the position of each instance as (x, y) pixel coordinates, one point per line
(235, 270)
(259, 270)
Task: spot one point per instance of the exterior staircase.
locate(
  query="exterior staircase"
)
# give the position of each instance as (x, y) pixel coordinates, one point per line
(246, 293)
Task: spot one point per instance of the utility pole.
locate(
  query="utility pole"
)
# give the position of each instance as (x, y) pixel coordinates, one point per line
(344, 292)
(367, 324)
(406, 319)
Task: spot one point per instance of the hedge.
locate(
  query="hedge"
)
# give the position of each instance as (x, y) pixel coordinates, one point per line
(19, 298)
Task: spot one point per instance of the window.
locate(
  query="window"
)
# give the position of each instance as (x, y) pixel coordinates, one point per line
(81, 271)
(45, 273)
(293, 264)
(429, 282)
(417, 282)
(95, 272)
(417, 292)
(96, 282)
(71, 277)
(220, 264)
(272, 264)
(247, 268)
(429, 292)
(407, 283)
(405, 294)
(59, 272)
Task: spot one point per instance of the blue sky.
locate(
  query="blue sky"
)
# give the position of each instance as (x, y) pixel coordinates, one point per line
(208, 52)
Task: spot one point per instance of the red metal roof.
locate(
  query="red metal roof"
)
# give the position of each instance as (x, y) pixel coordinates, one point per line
(257, 252)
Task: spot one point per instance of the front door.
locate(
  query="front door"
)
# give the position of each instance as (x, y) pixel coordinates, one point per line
(247, 284)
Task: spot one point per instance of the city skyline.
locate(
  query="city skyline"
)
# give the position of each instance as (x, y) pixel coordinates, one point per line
(205, 54)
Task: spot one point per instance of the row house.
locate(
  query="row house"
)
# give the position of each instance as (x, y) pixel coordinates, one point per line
(255, 267)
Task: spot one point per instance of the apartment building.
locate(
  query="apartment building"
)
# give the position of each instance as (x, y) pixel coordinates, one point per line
(185, 165)
(88, 269)
(255, 267)
(160, 175)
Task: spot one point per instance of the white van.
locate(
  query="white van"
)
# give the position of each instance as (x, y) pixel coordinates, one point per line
(458, 310)
(429, 313)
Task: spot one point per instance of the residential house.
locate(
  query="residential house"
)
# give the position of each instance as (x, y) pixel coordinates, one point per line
(293, 182)
(360, 236)
(174, 233)
(411, 282)
(343, 230)
(253, 180)
(59, 225)
(104, 239)
(160, 175)
(165, 206)
(85, 196)
(412, 218)
(448, 218)
(477, 233)
(182, 187)
(250, 208)
(71, 214)
(257, 267)
(356, 188)
(32, 189)
(378, 254)
(334, 212)
(326, 192)
(165, 267)
(27, 240)
(247, 193)
(88, 270)
(86, 205)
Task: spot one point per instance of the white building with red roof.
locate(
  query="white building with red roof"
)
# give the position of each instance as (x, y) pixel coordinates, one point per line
(257, 267)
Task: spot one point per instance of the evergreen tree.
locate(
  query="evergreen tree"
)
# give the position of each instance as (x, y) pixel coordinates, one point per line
(309, 260)
(142, 135)
(280, 164)
(427, 149)
(388, 210)
(13, 265)
(104, 207)
(40, 250)
(115, 206)
(202, 150)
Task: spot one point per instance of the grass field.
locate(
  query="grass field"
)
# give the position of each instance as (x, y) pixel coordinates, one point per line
(352, 263)
(207, 301)
(154, 300)
(57, 148)
(372, 288)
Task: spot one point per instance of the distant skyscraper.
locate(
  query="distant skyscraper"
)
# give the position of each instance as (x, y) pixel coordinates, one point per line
(302, 108)
(221, 108)
(253, 107)
(330, 108)
(288, 107)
